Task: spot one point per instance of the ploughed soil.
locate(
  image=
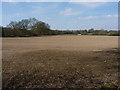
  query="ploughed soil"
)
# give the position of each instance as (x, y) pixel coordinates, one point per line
(60, 62)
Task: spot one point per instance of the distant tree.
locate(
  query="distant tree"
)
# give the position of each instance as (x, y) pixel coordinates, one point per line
(91, 30)
(28, 26)
(41, 28)
(12, 25)
(34, 27)
(25, 24)
(113, 33)
(1, 31)
(100, 32)
(32, 23)
(83, 32)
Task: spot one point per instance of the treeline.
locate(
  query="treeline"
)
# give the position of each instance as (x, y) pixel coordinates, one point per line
(33, 27)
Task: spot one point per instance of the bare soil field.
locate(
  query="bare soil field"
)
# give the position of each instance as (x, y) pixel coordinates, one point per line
(71, 61)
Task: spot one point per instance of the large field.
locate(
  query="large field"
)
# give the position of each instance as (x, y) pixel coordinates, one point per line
(60, 61)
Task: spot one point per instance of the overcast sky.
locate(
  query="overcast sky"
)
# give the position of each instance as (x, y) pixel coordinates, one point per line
(64, 15)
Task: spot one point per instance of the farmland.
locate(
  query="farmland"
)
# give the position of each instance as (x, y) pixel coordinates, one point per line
(74, 61)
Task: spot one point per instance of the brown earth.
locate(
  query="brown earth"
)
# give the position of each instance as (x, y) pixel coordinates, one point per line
(60, 61)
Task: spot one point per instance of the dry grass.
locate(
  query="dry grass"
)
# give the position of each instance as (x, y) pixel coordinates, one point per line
(60, 61)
